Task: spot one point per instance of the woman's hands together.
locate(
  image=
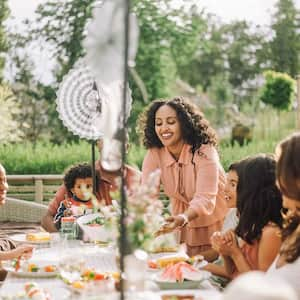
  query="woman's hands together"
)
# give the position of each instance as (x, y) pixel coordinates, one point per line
(225, 243)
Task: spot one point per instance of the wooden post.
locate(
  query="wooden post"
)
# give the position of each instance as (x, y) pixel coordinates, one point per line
(38, 186)
(298, 103)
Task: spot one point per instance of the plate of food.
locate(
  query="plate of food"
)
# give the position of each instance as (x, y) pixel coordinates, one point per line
(30, 268)
(161, 260)
(181, 275)
(32, 290)
(41, 237)
(81, 281)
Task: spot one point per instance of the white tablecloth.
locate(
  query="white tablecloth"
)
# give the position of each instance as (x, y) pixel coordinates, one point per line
(103, 259)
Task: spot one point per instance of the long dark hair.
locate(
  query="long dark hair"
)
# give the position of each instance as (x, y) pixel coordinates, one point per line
(259, 200)
(195, 129)
(288, 178)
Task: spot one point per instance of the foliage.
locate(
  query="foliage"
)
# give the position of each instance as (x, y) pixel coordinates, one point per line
(9, 110)
(4, 13)
(285, 45)
(278, 90)
(242, 48)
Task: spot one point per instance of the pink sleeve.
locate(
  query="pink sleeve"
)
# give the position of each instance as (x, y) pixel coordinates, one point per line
(59, 196)
(150, 164)
(207, 164)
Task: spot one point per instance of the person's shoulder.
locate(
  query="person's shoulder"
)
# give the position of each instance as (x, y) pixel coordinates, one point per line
(271, 231)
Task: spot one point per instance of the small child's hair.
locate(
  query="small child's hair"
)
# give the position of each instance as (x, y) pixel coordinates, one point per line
(81, 170)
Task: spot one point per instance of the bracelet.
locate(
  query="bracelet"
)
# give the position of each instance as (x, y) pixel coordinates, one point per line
(185, 219)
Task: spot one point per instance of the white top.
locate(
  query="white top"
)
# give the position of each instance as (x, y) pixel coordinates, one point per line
(231, 220)
(290, 272)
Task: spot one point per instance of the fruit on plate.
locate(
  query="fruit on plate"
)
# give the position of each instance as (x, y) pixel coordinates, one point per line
(180, 272)
(49, 268)
(34, 292)
(32, 268)
(41, 236)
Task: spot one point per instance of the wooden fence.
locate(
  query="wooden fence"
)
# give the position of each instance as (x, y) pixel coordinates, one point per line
(37, 188)
(42, 188)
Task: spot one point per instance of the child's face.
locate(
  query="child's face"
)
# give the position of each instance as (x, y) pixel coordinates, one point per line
(3, 185)
(230, 188)
(83, 188)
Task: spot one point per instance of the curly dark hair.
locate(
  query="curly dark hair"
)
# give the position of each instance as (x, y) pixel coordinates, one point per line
(82, 170)
(195, 129)
(259, 201)
(288, 177)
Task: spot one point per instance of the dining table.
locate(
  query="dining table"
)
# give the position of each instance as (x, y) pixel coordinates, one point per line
(99, 257)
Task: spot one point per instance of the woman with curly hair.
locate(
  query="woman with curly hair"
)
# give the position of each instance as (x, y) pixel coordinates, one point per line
(182, 144)
(287, 264)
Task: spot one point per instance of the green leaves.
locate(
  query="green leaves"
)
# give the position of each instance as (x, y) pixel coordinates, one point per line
(278, 90)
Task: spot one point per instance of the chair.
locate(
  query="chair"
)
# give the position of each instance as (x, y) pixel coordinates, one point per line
(15, 210)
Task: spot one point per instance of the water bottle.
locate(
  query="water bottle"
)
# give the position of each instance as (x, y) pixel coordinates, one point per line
(68, 228)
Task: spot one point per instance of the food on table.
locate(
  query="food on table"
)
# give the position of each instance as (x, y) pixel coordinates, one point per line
(179, 272)
(34, 292)
(32, 268)
(167, 260)
(177, 297)
(96, 222)
(41, 236)
(29, 266)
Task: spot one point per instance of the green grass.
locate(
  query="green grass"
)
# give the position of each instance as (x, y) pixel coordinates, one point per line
(46, 158)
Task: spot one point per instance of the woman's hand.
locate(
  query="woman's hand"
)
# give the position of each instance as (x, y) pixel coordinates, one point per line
(172, 223)
(229, 246)
(175, 222)
(24, 250)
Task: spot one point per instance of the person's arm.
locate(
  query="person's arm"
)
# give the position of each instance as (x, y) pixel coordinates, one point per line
(150, 165)
(15, 253)
(216, 270)
(47, 220)
(210, 255)
(268, 247)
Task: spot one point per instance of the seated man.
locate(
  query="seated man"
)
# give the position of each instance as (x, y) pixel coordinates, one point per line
(107, 183)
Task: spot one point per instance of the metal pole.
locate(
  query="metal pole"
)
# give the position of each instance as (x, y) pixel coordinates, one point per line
(123, 234)
(93, 168)
(298, 104)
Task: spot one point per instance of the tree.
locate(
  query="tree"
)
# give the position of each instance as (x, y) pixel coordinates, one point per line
(285, 45)
(242, 47)
(208, 59)
(9, 110)
(4, 13)
(278, 91)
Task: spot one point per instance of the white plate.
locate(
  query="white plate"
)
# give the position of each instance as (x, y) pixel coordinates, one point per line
(7, 265)
(21, 238)
(12, 289)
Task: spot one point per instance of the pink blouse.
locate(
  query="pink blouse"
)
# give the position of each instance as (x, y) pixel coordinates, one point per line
(198, 185)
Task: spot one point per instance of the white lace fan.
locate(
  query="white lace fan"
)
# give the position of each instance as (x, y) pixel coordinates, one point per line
(105, 41)
(89, 109)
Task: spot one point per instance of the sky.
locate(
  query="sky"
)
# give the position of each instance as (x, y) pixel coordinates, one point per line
(257, 11)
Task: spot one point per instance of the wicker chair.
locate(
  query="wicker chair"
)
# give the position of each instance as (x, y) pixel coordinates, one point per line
(15, 210)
